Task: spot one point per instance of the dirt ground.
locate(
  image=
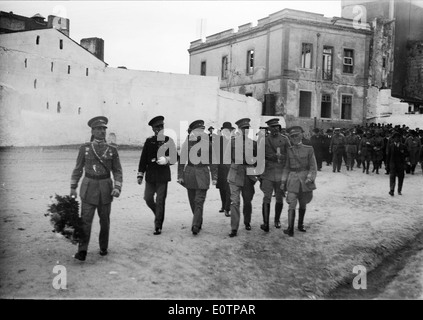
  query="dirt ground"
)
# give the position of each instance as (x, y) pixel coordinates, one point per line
(351, 221)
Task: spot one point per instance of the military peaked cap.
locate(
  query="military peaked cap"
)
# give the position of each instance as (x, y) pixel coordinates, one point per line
(227, 125)
(295, 130)
(100, 121)
(316, 130)
(156, 121)
(196, 124)
(243, 123)
(273, 122)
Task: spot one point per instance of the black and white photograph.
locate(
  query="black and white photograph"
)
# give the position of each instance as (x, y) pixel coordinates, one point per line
(212, 155)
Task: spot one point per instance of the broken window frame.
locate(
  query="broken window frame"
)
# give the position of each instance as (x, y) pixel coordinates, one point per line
(346, 106)
(348, 68)
(326, 105)
(327, 63)
(250, 61)
(306, 49)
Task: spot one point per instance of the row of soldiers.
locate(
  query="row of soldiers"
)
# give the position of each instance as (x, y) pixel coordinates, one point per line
(288, 168)
(365, 145)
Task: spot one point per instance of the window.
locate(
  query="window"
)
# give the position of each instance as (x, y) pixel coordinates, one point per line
(306, 55)
(326, 106)
(346, 107)
(305, 104)
(327, 63)
(61, 44)
(68, 69)
(35, 84)
(47, 106)
(250, 61)
(203, 68)
(225, 67)
(37, 40)
(86, 72)
(26, 63)
(58, 107)
(348, 61)
(52, 67)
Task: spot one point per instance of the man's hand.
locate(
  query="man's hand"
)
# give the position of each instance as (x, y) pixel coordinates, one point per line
(73, 193)
(115, 192)
(283, 187)
(162, 161)
(214, 182)
(180, 181)
(139, 179)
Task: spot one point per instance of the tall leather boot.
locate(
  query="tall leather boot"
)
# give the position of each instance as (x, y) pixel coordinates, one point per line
(291, 221)
(278, 211)
(301, 213)
(266, 213)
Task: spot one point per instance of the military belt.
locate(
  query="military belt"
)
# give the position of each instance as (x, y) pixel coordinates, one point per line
(298, 169)
(97, 177)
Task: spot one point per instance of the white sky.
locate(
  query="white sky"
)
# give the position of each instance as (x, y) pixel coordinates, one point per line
(155, 35)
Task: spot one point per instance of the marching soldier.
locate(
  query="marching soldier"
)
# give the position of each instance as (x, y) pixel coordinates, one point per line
(298, 178)
(158, 153)
(396, 156)
(223, 168)
(194, 170)
(276, 147)
(337, 148)
(97, 158)
(365, 150)
(240, 182)
(351, 147)
(317, 142)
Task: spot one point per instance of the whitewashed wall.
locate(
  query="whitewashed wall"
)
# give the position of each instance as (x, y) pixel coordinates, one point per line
(128, 98)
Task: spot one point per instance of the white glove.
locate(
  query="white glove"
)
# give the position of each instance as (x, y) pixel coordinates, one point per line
(162, 161)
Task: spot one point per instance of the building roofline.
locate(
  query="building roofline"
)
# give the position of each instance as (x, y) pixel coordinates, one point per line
(48, 30)
(229, 35)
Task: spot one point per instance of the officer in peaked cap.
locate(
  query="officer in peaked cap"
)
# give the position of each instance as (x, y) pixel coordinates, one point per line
(156, 121)
(240, 178)
(275, 147)
(337, 148)
(158, 153)
(223, 167)
(197, 124)
(98, 159)
(194, 171)
(100, 121)
(243, 123)
(298, 178)
(227, 125)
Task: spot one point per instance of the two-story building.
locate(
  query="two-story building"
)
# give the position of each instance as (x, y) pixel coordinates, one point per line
(303, 66)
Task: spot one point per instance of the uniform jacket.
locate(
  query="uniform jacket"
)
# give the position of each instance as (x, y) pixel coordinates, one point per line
(154, 172)
(96, 186)
(413, 145)
(274, 164)
(300, 166)
(351, 143)
(365, 147)
(238, 169)
(337, 142)
(197, 175)
(396, 156)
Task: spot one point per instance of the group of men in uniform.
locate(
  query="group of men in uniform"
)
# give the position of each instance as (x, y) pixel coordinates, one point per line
(231, 161)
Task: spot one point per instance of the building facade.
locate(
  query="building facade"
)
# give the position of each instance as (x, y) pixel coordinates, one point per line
(303, 66)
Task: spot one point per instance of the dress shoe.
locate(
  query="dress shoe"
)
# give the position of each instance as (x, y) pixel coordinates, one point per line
(227, 214)
(247, 226)
(301, 228)
(277, 224)
(391, 193)
(103, 252)
(222, 210)
(233, 233)
(80, 255)
(195, 230)
(399, 192)
(158, 231)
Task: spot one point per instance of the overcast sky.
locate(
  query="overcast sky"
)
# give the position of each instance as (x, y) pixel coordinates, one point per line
(155, 35)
